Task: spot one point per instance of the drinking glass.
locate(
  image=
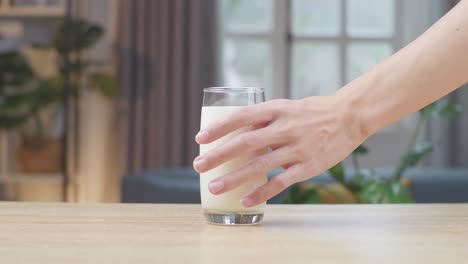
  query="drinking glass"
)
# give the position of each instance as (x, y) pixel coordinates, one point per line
(226, 208)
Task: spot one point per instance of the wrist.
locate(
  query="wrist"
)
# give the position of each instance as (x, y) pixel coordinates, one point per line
(352, 102)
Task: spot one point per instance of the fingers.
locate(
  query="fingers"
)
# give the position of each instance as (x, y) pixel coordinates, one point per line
(241, 144)
(254, 170)
(274, 186)
(245, 116)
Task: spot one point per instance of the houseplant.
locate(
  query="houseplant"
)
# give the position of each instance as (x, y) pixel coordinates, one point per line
(366, 186)
(31, 97)
(24, 100)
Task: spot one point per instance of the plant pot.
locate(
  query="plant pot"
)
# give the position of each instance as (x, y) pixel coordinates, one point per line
(44, 159)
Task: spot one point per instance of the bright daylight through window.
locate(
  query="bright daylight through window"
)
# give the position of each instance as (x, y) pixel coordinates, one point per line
(298, 48)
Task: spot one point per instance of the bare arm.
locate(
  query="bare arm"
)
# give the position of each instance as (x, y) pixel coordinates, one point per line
(427, 69)
(309, 136)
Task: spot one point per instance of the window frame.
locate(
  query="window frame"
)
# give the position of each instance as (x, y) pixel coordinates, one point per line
(281, 40)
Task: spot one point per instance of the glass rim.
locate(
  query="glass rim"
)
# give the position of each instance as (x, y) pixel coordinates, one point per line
(228, 89)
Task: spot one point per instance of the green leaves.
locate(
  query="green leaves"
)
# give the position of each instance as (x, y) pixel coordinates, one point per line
(14, 71)
(361, 150)
(413, 157)
(428, 110)
(450, 109)
(442, 108)
(23, 95)
(299, 195)
(105, 84)
(337, 172)
(76, 35)
(382, 191)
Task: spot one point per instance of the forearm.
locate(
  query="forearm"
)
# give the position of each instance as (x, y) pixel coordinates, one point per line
(430, 67)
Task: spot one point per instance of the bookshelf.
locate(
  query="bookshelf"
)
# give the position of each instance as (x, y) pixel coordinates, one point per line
(21, 186)
(32, 8)
(18, 18)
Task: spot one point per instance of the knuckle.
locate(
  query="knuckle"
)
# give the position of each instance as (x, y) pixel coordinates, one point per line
(262, 165)
(298, 153)
(286, 130)
(283, 182)
(299, 105)
(248, 142)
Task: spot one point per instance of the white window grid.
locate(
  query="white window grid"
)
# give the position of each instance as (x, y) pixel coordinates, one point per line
(281, 39)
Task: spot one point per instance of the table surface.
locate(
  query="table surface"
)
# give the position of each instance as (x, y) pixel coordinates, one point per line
(130, 233)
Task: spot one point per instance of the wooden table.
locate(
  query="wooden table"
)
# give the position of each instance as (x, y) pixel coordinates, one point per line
(124, 233)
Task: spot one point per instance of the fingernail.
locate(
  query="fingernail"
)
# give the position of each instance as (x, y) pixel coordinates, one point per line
(199, 164)
(215, 186)
(247, 202)
(201, 135)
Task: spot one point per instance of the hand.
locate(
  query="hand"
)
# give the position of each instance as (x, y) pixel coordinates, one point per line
(307, 137)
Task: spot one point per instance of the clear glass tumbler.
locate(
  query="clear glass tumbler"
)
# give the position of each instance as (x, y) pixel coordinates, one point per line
(218, 103)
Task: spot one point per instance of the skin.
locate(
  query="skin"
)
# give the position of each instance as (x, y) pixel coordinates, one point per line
(311, 135)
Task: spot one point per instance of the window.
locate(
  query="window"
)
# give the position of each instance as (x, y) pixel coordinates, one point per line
(299, 48)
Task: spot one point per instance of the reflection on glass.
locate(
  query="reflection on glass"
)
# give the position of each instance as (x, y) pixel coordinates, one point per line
(315, 69)
(370, 18)
(248, 15)
(316, 17)
(363, 56)
(247, 63)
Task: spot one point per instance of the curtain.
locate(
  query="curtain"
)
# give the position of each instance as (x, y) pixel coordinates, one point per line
(167, 51)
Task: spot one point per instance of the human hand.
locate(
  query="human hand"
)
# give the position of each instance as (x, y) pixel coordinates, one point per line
(306, 136)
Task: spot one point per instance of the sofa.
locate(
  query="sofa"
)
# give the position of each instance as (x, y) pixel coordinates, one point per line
(181, 185)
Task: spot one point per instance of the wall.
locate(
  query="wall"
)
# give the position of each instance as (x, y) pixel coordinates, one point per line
(99, 166)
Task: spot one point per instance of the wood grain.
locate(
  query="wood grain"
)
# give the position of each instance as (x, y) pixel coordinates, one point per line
(127, 233)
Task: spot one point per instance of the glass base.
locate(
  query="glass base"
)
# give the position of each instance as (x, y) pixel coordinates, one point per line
(223, 218)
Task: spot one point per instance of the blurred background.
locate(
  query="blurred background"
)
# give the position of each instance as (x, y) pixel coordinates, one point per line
(100, 100)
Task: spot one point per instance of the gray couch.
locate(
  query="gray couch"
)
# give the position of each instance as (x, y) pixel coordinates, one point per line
(182, 186)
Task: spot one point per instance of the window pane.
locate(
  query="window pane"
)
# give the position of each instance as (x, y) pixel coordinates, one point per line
(248, 15)
(370, 18)
(315, 69)
(363, 56)
(316, 17)
(247, 62)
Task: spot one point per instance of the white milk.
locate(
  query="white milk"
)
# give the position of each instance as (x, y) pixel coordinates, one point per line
(230, 201)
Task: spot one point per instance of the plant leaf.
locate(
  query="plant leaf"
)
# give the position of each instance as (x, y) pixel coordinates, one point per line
(105, 84)
(337, 172)
(311, 196)
(428, 110)
(373, 192)
(399, 193)
(448, 109)
(14, 71)
(14, 102)
(76, 35)
(361, 150)
(299, 195)
(356, 181)
(413, 157)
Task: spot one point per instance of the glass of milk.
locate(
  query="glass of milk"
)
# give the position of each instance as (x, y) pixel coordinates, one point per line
(226, 208)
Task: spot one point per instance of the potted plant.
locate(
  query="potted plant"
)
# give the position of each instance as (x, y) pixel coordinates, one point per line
(23, 104)
(366, 186)
(31, 96)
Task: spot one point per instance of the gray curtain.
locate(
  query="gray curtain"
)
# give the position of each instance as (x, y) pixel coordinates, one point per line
(167, 56)
(450, 136)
